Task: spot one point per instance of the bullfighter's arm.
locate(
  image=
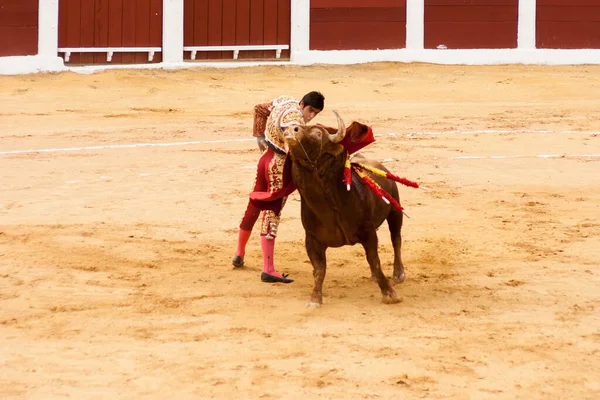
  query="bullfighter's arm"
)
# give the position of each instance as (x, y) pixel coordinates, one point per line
(261, 114)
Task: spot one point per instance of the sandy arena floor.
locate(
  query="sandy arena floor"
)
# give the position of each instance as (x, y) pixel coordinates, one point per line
(115, 273)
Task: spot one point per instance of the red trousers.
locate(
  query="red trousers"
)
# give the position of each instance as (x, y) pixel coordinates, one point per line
(272, 185)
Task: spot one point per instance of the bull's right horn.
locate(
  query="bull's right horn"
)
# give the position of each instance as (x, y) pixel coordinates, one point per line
(341, 132)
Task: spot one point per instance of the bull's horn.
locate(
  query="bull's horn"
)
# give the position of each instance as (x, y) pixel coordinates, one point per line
(341, 132)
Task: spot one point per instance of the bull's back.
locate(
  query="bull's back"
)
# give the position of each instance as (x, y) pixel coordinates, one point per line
(386, 184)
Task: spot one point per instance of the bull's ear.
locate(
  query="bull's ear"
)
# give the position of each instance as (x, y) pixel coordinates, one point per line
(334, 149)
(357, 132)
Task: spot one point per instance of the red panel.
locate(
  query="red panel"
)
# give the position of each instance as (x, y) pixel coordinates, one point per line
(350, 15)
(568, 25)
(215, 27)
(142, 28)
(567, 3)
(256, 28)
(364, 28)
(356, 3)
(242, 22)
(87, 30)
(201, 26)
(156, 27)
(283, 25)
(236, 22)
(18, 41)
(63, 20)
(188, 25)
(477, 24)
(115, 31)
(580, 35)
(357, 35)
(18, 27)
(69, 20)
(100, 28)
(472, 3)
(568, 14)
(471, 14)
(474, 35)
(229, 22)
(18, 6)
(270, 26)
(110, 23)
(128, 29)
(19, 14)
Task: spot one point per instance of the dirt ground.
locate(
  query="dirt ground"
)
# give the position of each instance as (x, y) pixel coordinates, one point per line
(115, 261)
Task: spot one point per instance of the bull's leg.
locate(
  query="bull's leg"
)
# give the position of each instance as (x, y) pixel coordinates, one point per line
(394, 221)
(370, 246)
(316, 253)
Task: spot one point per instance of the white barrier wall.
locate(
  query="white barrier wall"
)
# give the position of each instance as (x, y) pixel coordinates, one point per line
(526, 27)
(415, 24)
(172, 32)
(526, 52)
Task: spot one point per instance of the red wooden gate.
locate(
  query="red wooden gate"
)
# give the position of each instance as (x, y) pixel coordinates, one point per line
(18, 27)
(568, 24)
(471, 24)
(357, 24)
(236, 23)
(110, 24)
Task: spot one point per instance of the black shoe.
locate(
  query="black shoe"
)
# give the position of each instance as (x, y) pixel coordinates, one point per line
(273, 279)
(238, 262)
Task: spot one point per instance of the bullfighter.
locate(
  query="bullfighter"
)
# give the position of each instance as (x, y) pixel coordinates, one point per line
(273, 183)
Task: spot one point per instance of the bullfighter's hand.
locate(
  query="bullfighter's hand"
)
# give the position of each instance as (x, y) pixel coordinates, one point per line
(262, 145)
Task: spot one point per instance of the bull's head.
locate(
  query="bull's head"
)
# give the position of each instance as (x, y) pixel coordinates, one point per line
(309, 142)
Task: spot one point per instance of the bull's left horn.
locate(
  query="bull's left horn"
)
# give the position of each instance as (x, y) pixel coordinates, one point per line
(341, 132)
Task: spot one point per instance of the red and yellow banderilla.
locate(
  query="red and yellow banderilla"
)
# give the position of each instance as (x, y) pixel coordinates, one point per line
(371, 184)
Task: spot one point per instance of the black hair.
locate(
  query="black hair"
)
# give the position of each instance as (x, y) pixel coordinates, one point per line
(315, 100)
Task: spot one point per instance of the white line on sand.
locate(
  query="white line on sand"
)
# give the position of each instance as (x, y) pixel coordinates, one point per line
(197, 142)
(530, 156)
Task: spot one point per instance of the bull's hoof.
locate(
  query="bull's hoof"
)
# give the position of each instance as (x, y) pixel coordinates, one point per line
(238, 262)
(390, 300)
(390, 297)
(399, 278)
(313, 305)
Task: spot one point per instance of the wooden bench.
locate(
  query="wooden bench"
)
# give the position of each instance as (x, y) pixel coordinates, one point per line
(110, 51)
(236, 49)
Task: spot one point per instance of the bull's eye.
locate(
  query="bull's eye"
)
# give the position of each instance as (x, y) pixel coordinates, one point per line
(296, 129)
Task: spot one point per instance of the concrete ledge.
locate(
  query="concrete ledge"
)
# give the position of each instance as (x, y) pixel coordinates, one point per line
(453, 57)
(91, 69)
(30, 65)
(36, 64)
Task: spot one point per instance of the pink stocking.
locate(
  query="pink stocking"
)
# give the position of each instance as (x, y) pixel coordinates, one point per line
(243, 237)
(268, 250)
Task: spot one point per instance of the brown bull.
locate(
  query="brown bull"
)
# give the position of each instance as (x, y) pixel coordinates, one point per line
(331, 215)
